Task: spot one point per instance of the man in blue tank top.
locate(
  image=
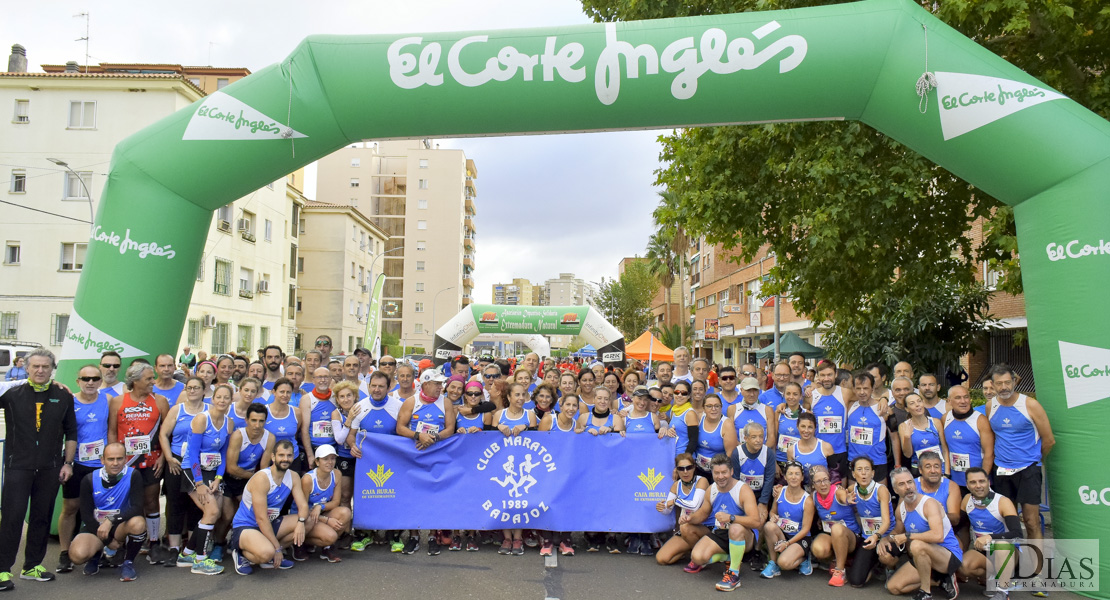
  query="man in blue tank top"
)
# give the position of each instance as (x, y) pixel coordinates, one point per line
(91, 411)
(934, 484)
(112, 514)
(969, 436)
(1022, 438)
(924, 534)
(732, 512)
(259, 531)
(992, 516)
(774, 396)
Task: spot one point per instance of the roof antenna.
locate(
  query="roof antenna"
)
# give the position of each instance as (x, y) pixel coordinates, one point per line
(85, 39)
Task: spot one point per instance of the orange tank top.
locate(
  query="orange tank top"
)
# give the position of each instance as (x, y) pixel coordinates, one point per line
(137, 429)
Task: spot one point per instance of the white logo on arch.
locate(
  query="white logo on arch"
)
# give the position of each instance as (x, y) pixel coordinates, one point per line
(222, 117)
(968, 102)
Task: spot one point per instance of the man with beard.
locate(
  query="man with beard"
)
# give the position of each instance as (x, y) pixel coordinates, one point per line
(240, 371)
(111, 500)
(728, 392)
(797, 363)
(924, 533)
(375, 414)
(663, 373)
(934, 404)
(110, 366)
(259, 531)
(272, 357)
(992, 517)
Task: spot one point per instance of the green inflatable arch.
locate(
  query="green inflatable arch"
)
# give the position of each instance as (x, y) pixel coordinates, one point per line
(986, 121)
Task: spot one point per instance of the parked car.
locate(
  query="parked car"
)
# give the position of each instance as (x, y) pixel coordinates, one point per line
(9, 351)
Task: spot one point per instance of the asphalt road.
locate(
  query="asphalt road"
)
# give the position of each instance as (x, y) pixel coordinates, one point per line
(377, 573)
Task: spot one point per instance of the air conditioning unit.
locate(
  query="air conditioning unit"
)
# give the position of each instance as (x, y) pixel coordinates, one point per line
(209, 322)
(263, 286)
(365, 288)
(244, 225)
(223, 225)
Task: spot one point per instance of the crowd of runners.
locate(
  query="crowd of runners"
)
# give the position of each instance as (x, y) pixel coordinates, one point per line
(193, 462)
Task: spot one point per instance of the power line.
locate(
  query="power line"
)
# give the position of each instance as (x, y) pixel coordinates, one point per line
(46, 212)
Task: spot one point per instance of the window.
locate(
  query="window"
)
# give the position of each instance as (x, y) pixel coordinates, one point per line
(422, 184)
(73, 256)
(354, 232)
(354, 182)
(701, 302)
(298, 225)
(293, 303)
(247, 226)
(293, 264)
(58, 326)
(22, 111)
(77, 188)
(219, 339)
(268, 230)
(192, 337)
(223, 218)
(11, 253)
(263, 336)
(711, 299)
(422, 204)
(362, 240)
(300, 264)
(9, 325)
(200, 270)
(82, 115)
(19, 181)
(421, 245)
(419, 265)
(361, 275)
(246, 282)
(221, 83)
(418, 328)
(351, 306)
(754, 303)
(245, 334)
(990, 277)
(264, 285)
(722, 296)
(355, 162)
(420, 286)
(222, 282)
(423, 163)
(421, 224)
(418, 306)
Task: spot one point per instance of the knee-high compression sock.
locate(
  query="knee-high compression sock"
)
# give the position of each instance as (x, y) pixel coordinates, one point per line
(134, 543)
(736, 554)
(202, 534)
(153, 526)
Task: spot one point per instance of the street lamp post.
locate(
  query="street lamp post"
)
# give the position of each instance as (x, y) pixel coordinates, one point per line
(63, 164)
(434, 299)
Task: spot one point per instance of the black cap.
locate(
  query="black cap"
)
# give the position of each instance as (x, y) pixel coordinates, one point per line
(362, 350)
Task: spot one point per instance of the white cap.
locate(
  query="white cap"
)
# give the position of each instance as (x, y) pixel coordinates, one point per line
(432, 375)
(325, 451)
(749, 383)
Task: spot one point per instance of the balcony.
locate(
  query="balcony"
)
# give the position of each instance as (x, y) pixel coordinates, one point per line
(468, 243)
(468, 220)
(468, 282)
(470, 189)
(246, 293)
(467, 300)
(468, 260)
(470, 205)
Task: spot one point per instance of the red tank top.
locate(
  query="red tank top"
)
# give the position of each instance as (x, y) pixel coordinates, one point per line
(137, 429)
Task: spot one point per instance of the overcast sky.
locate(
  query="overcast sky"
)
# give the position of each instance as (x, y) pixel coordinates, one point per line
(546, 204)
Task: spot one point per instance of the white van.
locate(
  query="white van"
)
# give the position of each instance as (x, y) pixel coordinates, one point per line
(9, 351)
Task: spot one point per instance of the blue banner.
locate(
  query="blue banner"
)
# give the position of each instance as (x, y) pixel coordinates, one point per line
(539, 480)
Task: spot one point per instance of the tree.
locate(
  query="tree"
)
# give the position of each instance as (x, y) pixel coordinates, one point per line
(626, 301)
(671, 336)
(855, 230)
(666, 254)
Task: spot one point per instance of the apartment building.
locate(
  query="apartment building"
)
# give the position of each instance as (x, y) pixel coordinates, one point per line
(518, 292)
(568, 290)
(422, 198)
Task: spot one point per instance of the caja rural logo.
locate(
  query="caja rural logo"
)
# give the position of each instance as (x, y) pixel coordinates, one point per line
(517, 465)
(379, 477)
(651, 480)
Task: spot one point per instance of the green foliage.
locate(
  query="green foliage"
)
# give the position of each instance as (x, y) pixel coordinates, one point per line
(576, 344)
(671, 336)
(867, 232)
(390, 342)
(626, 301)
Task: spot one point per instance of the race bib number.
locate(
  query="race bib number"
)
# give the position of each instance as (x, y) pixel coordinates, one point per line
(702, 461)
(871, 525)
(90, 451)
(827, 526)
(929, 449)
(421, 427)
(1005, 472)
(786, 442)
(104, 514)
(137, 444)
(829, 425)
(273, 513)
(960, 462)
(754, 481)
(788, 526)
(862, 436)
(210, 460)
(323, 429)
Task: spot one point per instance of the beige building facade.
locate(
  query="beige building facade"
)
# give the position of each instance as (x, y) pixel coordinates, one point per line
(518, 292)
(568, 290)
(422, 198)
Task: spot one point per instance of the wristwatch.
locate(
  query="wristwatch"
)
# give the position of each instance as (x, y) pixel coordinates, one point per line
(69, 463)
(301, 520)
(732, 519)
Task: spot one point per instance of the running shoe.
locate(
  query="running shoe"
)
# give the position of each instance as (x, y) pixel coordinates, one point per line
(593, 547)
(806, 568)
(37, 573)
(110, 561)
(518, 547)
(395, 545)
(488, 539)
(506, 548)
(950, 587)
(6, 581)
(433, 546)
(185, 561)
(1000, 595)
(411, 546)
(330, 554)
(530, 539)
(171, 556)
(547, 548)
(634, 543)
(566, 549)
(729, 582)
(836, 577)
(693, 567)
(612, 545)
(362, 544)
(344, 542)
(771, 570)
(92, 566)
(285, 564)
(65, 565)
(217, 553)
(456, 543)
(756, 560)
(656, 543)
(300, 553)
(206, 567)
(242, 565)
(646, 549)
(922, 595)
(444, 537)
(471, 545)
(156, 556)
(127, 571)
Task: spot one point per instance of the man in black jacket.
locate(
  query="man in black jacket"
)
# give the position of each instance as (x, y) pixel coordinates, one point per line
(38, 415)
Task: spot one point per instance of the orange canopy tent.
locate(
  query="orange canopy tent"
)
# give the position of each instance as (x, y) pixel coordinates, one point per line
(646, 344)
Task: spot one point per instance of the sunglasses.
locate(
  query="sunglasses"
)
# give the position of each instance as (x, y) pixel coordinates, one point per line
(88, 379)
(115, 366)
(684, 469)
(749, 374)
(323, 343)
(474, 394)
(387, 364)
(728, 378)
(682, 393)
(492, 376)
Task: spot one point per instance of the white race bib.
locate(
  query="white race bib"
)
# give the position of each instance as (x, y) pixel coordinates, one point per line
(754, 481)
(929, 449)
(137, 444)
(829, 425)
(210, 460)
(1005, 472)
(827, 526)
(862, 436)
(104, 514)
(323, 429)
(702, 461)
(90, 451)
(871, 525)
(960, 462)
(788, 526)
(786, 442)
(273, 513)
(422, 427)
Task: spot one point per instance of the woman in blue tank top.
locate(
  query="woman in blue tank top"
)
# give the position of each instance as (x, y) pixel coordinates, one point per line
(285, 421)
(836, 519)
(328, 517)
(344, 396)
(175, 430)
(921, 433)
(715, 434)
(600, 420)
(248, 392)
(513, 421)
(787, 414)
(204, 464)
(477, 422)
(559, 423)
(871, 501)
(809, 450)
(788, 525)
(686, 495)
(524, 376)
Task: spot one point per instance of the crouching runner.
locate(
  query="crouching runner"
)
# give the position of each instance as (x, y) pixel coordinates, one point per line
(259, 530)
(112, 499)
